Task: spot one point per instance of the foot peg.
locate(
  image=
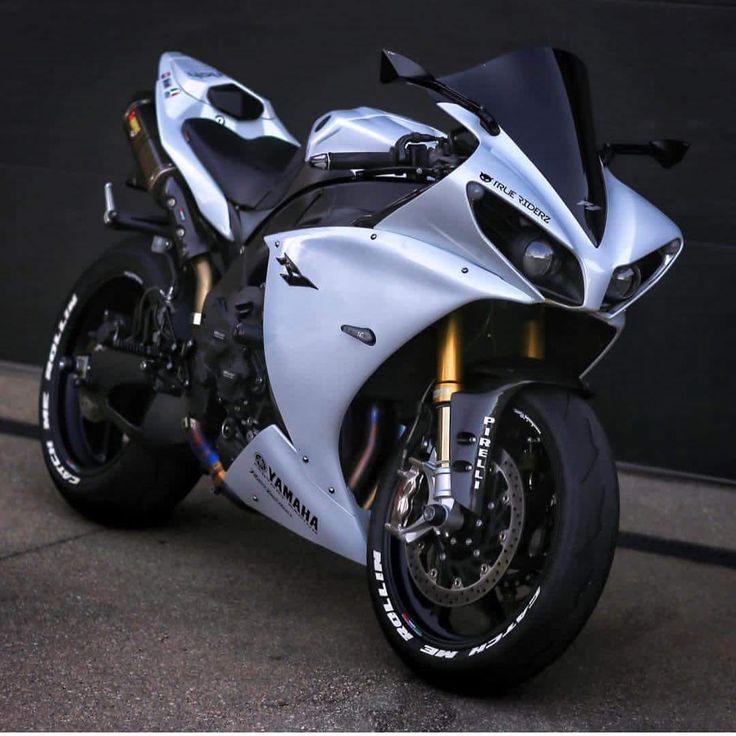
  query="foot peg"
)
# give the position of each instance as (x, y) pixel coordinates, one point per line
(118, 220)
(110, 210)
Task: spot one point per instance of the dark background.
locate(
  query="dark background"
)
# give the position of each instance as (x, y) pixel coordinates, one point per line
(658, 69)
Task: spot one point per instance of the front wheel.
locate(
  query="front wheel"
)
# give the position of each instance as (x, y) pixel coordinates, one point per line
(496, 601)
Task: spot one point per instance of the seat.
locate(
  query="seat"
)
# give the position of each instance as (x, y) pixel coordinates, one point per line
(252, 173)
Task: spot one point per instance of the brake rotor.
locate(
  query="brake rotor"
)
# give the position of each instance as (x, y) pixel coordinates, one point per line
(456, 573)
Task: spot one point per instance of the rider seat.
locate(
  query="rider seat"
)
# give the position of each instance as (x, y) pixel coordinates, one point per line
(252, 173)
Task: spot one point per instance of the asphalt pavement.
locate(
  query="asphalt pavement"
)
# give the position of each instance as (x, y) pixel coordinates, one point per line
(220, 620)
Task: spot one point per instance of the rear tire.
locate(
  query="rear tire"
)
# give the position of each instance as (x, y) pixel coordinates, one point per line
(138, 485)
(564, 591)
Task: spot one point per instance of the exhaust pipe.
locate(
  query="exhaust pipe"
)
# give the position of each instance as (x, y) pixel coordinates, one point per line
(141, 129)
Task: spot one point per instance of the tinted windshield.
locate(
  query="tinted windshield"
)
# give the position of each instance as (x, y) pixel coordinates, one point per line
(540, 97)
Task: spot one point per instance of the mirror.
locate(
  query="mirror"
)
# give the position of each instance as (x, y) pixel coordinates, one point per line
(667, 152)
(395, 66)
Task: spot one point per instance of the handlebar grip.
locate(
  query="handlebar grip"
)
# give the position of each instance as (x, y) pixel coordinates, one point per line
(347, 161)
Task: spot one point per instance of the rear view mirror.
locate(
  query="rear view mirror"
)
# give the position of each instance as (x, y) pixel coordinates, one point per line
(667, 152)
(395, 66)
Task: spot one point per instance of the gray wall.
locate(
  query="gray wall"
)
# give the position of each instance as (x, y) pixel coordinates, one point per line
(658, 69)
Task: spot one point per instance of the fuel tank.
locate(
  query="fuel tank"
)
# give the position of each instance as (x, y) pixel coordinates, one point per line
(364, 129)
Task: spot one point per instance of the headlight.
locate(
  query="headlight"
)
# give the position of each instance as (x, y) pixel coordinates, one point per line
(629, 280)
(538, 260)
(549, 265)
(672, 248)
(624, 283)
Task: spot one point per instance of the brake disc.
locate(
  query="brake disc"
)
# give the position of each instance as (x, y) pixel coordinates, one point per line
(480, 554)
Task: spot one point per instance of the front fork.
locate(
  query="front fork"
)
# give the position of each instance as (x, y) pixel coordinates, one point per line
(450, 377)
(449, 381)
(442, 512)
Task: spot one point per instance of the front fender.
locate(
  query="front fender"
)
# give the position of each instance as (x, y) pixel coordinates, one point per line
(474, 417)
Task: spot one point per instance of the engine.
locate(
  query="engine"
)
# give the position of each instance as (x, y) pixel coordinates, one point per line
(229, 390)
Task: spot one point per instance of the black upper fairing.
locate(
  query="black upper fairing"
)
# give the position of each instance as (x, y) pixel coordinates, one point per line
(325, 199)
(540, 97)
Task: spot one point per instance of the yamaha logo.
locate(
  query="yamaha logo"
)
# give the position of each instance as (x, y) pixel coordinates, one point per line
(286, 498)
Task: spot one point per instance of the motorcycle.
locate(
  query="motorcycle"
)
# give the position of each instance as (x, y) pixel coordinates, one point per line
(379, 340)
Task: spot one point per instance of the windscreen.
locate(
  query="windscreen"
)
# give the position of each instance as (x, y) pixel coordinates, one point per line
(540, 97)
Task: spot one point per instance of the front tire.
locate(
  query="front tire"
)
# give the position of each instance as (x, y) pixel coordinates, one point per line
(555, 578)
(94, 466)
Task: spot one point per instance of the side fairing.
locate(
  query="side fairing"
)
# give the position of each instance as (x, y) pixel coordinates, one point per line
(318, 281)
(634, 228)
(181, 93)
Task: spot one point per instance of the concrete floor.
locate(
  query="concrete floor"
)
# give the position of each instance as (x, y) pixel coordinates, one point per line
(220, 620)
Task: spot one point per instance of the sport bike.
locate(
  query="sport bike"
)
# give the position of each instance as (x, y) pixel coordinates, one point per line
(377, 339)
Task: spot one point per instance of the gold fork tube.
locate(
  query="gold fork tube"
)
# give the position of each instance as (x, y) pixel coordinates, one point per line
(449, 359)
(533, 337)
(449, 380)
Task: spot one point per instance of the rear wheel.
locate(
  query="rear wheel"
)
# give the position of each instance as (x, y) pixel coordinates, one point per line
(493, 603)
(98, 468)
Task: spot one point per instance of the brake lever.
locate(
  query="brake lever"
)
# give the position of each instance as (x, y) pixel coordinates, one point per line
(411, 171)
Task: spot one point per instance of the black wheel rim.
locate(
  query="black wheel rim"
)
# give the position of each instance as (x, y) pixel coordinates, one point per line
(474, 623)
(90, 445)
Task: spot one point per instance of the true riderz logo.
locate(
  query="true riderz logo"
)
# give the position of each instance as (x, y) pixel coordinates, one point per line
(285, 495)
(515, 196)
(293, 276)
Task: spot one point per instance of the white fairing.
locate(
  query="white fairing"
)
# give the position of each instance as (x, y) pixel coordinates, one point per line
(421, 262)
(442, 215)
(634, 228)
(181, 93)
(361, 129)
(392, 284)
(278, 487)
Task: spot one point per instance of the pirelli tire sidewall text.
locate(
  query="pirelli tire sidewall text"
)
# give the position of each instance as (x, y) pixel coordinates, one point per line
(140, 485)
